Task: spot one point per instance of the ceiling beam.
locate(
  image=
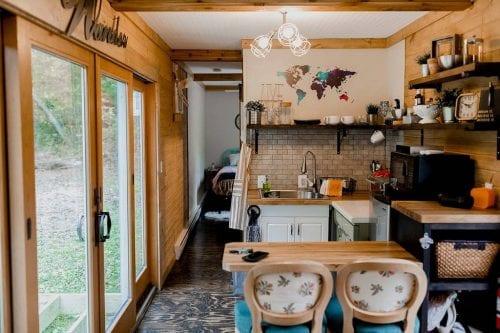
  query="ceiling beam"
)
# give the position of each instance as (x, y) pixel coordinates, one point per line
(312, 5)
(218, 77)
(333, 43)
(206, 55)
(222, 88)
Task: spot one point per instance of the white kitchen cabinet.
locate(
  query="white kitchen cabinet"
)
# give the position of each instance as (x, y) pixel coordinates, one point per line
(294, 223)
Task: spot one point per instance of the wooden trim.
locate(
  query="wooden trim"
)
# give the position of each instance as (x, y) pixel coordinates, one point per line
(221, 88)
(218, 77)
(320, 5)
(407, 314)
(332, 43)
(5, 307)
(414, 27)
(181, 241)
(206, 55)
(313, 315)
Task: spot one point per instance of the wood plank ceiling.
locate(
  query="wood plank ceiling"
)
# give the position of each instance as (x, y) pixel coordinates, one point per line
(316, 5)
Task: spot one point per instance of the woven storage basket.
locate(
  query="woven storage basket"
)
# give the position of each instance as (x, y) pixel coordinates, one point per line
(465, 259)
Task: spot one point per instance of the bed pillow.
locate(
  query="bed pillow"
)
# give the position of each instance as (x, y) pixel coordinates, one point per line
(234, 159)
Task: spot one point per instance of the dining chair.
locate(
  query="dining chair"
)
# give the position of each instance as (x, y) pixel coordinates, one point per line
(285, 297)
(380, 295)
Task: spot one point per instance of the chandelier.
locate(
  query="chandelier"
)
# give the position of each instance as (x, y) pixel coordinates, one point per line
(288, 35)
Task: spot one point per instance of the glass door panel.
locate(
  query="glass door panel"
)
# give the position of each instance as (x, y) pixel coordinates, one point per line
(115, 195)
(139, 225)
(61, 178)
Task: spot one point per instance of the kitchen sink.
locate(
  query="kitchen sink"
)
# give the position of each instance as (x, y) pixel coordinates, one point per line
(291, 194)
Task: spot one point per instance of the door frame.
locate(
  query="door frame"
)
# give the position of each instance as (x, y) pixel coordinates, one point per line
(5, 312)
(125, 317)
(20, 37)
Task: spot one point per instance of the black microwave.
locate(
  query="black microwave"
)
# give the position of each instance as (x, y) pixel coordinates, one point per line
(425, 176)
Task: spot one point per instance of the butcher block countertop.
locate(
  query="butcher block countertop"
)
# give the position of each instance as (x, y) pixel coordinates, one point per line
(330, 254)
(254, 198)
(433, 212)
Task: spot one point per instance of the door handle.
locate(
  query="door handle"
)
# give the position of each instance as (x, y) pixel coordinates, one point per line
(291, 230)
(298, 229)
(103, 226)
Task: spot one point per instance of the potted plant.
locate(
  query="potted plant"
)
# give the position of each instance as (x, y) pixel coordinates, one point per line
(446, 102)
(254, 109)
(372, 111)
(422, 61)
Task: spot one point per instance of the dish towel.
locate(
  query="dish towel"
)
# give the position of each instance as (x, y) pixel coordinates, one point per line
(238, 217)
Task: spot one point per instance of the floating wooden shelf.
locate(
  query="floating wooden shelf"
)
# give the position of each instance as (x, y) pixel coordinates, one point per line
(485, 69)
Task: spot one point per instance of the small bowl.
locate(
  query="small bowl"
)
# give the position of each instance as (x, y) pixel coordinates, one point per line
(447, 61)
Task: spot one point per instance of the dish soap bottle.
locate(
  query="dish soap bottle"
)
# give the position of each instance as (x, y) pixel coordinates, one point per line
(484, 197)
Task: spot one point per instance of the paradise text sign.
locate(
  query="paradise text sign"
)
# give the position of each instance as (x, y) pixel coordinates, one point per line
(91, 10)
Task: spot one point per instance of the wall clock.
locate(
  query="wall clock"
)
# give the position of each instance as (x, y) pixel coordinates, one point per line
(467, 106)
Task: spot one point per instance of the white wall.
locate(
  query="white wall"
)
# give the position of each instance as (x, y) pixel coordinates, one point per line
(196, 144)
(379, 76)
(221, 109)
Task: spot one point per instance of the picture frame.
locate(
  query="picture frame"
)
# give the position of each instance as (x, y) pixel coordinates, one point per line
(449, 45)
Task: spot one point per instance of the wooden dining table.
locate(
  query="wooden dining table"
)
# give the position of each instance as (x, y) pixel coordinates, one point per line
(331, 254)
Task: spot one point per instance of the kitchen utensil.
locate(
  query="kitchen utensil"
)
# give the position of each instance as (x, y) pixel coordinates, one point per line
(307, 121)
(428, 113)
(332, 120)
(377, 137)
(347, 120)
(253, 228)
(375, 166)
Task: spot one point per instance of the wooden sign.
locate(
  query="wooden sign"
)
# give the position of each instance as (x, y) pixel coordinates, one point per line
(91, 10)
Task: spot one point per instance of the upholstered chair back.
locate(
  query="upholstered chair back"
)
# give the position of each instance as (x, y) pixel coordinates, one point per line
(381, 291)
(289, 293)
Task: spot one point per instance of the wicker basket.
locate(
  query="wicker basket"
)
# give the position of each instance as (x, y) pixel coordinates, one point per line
(465, 259)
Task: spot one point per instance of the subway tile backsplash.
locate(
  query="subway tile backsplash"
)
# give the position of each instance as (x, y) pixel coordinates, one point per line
(281, 152)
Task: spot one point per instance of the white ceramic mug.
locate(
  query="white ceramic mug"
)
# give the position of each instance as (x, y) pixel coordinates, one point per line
(332, 120)
(347, 120)
(377, 137)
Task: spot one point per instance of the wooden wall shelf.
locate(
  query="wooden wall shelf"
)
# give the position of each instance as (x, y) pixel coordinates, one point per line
(434, 81)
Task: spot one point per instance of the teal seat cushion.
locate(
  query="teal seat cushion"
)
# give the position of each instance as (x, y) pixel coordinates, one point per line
(334, 317)
(243, 319)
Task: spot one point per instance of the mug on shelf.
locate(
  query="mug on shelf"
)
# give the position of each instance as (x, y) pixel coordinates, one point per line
(332, 120)
(377, 137)
(347, 120)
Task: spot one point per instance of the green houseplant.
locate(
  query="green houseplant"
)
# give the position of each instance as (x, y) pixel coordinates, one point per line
(422, 61)
(446, 102)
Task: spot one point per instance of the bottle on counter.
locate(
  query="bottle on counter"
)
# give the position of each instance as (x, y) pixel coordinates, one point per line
(419, 98)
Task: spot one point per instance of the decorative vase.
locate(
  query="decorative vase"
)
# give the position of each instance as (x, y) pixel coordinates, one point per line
(425, 70)
(448, 114)
(433, 64)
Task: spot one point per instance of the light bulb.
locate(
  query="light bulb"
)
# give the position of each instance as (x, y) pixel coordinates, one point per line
(287, 33)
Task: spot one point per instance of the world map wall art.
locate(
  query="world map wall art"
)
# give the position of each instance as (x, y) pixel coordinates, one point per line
(319, 82)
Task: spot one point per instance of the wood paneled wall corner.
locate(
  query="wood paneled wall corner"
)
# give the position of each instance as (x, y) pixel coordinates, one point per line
(482, 20)
(148, 56)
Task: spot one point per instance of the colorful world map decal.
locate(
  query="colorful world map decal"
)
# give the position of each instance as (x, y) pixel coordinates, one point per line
(302, 79)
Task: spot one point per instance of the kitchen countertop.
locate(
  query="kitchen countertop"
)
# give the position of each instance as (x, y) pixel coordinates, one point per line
(433, 212)
(356, 211)
(331, 254)
(254, 198)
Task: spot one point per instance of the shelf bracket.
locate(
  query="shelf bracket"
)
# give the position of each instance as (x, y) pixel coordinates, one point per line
(422, 137)
(498, 144)
(256, 141)
(341, 133)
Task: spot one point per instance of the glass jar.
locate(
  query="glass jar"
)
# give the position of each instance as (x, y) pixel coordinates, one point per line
(472, 50)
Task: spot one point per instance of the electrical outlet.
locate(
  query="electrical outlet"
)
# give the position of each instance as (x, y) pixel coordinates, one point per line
(261, 179)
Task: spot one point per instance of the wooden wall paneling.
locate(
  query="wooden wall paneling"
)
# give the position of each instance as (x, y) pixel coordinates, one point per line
(322, 5)
(206, 55)
(148, 56)
(482, 20)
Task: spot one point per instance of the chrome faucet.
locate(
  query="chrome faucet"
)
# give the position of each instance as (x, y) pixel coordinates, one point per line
(303, 169)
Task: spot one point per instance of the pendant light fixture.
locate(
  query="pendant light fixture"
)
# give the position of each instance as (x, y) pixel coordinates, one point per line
(288, 35)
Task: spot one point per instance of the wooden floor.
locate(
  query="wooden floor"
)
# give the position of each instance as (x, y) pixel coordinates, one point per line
(197, 296)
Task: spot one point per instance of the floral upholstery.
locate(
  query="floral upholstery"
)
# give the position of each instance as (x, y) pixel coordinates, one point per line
(380, 291)
(287, 292)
